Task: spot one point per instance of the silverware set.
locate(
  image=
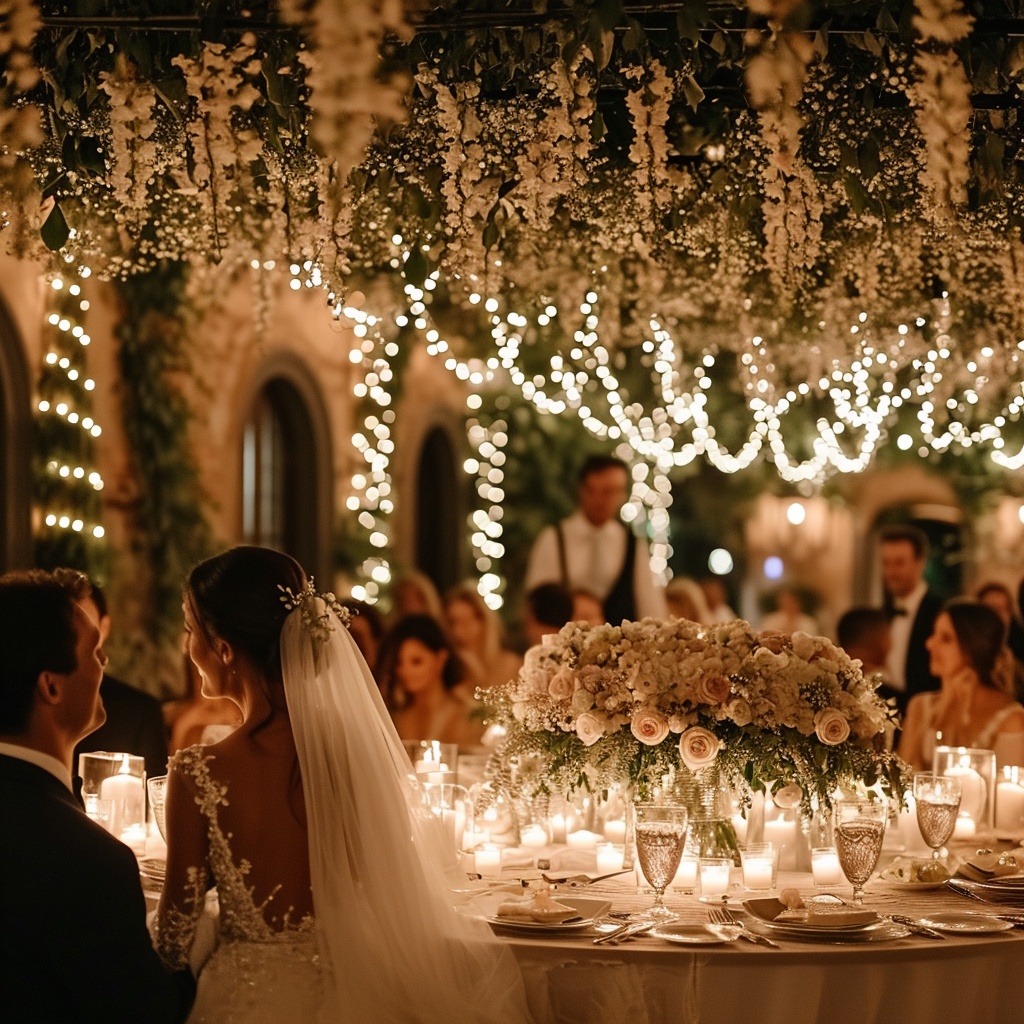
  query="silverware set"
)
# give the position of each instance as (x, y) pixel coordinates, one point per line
(724, 923)
(623, 932)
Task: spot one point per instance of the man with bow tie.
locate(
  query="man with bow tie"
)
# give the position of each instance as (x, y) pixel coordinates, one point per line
(912, 609)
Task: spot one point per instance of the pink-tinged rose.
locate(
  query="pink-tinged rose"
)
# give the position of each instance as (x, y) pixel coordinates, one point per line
(713, 689)
(649, 727)
(788, 796)
(589, 728)
(698, 747)
(740, 711)
(831, 727)
(562, 684)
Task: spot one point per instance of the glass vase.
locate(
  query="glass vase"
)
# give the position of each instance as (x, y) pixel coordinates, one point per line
(711, 832)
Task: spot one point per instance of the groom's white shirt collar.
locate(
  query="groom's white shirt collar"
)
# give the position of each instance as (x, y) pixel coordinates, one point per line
(41, 760)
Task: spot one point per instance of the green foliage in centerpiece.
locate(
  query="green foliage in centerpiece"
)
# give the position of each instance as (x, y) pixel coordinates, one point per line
(634, 703)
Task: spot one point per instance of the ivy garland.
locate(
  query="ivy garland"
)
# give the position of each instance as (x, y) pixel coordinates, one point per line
(168, 526)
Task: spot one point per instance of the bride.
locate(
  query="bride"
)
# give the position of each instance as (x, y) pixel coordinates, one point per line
(332, 879)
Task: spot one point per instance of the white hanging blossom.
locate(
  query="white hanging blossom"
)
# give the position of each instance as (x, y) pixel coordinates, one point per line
(942, 98)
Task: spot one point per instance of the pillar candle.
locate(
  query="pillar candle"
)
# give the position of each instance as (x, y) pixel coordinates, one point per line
(1009, 805)
(825, 867)
(127, 795)
(488, 861)
(609, 858)
(615, 830)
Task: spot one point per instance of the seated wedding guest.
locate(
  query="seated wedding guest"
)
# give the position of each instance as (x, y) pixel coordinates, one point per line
(414, 593)
(864, 634)
(546, 610)
(789, 615)
(135, 723)
(998, 597)
(366, 627)
(973, 707)
(719, 610)
(587, 608)
(74, 944)
(198, 718)
(685, 600)
(476, 632)
(419, 671)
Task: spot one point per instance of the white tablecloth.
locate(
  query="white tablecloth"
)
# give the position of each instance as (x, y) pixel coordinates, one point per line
(959, 980)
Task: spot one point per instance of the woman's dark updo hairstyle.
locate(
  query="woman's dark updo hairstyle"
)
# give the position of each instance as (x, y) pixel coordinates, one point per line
(428, 631)
(981, 634)
(234, 596)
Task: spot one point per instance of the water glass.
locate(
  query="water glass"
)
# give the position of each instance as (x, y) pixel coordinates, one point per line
(860, 829)
(660, 838)
(938, 804)
(759, 865)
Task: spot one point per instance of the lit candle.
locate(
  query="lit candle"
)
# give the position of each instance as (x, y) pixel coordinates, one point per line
(973, 791)
(615, 831)
(609, 858)
(782, 833)
(965, 827)
(825, 867)
(581, 839)
(686, 874)
(758, 868)
(714, 875)
(558, 828)
(534, 836)
(425, 767)
(488, 861)
(739, 824)
(1009, 805)
(126, 793)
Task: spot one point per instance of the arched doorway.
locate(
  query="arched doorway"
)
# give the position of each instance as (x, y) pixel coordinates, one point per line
(287, 490)
(15, 449)
(439, 511)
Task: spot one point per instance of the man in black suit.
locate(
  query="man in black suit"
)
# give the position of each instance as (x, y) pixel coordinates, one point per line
(135, 722)
(73, 939)
(912, 609)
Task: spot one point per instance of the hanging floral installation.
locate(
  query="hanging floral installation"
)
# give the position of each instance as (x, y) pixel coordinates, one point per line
(817, 210)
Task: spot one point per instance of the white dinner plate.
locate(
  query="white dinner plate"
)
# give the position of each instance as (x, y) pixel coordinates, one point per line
(687, 935)
(909, 886)
(590, 911)
(965, 923)
(881, 931)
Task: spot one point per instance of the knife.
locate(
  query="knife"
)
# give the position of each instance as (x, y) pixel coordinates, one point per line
(915, 927)
(624, 931)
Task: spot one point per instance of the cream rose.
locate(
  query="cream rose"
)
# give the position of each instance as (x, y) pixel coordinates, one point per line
(649, 727)
(831, 727)
(713, 689)
(562, 685)
(589, 728)
(740, 711)
(698, 747)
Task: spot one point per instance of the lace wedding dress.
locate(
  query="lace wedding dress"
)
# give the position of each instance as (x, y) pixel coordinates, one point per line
(385, 945)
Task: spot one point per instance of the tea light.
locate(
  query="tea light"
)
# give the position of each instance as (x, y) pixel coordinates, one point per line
(965, 827)
(615, 831)
(534, 836)
(714, 875)
(488, 861)
(758, 867)
(609, 858)
(825, 867)
(582, 839)
(686, 874)
(1009, 805)
(558, 828)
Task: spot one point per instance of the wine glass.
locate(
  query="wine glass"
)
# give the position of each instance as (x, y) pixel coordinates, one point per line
(660, 838)
(860, 828)
(938, 803)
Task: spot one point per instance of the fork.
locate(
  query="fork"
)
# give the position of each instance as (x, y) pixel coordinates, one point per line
(726, 917)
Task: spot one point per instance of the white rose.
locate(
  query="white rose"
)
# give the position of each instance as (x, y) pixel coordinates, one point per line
(649, 727)
(562, 684)
(589, 728)
(698, 747)
(740, 712)
(831, 727)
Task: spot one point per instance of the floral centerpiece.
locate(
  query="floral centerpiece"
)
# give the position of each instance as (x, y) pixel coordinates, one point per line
(603, 705)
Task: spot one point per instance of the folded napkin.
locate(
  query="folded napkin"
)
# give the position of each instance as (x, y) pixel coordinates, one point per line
(986, 866)
(538, 907)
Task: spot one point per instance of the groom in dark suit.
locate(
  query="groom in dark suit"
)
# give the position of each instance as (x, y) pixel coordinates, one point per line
(73, 939)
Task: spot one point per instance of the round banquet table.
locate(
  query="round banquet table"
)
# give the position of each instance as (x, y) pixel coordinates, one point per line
(915, 980)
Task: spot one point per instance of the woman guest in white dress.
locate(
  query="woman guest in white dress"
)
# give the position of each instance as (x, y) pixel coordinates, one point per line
(332, 877)
(476, 632)
(973, 708)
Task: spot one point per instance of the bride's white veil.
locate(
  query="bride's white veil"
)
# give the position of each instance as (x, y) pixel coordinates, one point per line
(393, 947)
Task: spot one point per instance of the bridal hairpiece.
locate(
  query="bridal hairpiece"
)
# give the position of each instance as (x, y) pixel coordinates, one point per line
(315, 608)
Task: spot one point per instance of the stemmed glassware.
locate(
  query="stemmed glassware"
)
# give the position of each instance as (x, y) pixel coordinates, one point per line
(660, 838)
(859, 831)
(938, 804)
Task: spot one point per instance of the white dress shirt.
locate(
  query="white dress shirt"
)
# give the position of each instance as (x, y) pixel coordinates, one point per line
(900, 628)
(594, 556)
(38, 758)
